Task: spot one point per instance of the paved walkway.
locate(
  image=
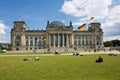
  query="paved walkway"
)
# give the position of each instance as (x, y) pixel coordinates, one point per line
(84, 53)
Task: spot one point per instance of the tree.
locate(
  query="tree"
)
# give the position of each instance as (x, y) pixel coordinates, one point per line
(116, 43)
(108, 44)
(112, 43)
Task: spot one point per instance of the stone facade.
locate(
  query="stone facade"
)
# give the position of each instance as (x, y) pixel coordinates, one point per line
(56, 35)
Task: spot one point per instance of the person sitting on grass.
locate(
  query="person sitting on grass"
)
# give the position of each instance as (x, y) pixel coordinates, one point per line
(37, 58)
(56, 51)
(100, 59)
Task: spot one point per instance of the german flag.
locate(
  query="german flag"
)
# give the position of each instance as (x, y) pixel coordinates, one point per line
(82, 27)
(44, 38)
(92, 18)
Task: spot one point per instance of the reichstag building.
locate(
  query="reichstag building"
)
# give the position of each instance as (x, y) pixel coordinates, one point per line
(56, 36)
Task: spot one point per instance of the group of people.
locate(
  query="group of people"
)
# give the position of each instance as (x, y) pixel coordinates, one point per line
(100, 59)
(112, 54)
(37, 58)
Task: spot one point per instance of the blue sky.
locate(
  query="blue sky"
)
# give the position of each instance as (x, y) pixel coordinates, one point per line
(36, 13)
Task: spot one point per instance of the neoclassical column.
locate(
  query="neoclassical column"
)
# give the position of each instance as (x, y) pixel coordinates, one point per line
(49, 40)
(85, 40)
(72, 36)
(101, 40)
(13, 41)
(37, 40)
(58, 40)
(67, 42)
(95, 39)
(81, 40)
(88, 40)
(23, 41)
(70, 40)
(53, 40)
(33, 41)
(63, 45)
(92, 39)
(28, 40)
(77, 40)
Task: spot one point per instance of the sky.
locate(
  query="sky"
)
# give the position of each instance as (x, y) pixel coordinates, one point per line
(36, 13)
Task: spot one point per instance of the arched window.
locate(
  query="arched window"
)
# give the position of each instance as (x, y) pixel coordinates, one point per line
(17, 44)
(18, 37)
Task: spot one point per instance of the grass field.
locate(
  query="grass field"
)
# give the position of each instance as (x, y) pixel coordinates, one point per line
(60, 68)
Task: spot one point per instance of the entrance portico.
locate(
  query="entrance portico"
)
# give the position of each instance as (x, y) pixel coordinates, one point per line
(60, 40)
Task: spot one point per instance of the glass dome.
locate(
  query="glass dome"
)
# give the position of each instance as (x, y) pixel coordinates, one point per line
(56, 23)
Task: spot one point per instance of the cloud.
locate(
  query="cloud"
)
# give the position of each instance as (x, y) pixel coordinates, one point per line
(112, 29)
(112, 23)
(88, 8)
(108, 38)
(104, 11)
(3, 27)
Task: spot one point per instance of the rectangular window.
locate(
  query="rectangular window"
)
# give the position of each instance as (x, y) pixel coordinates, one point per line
(79, 37)
(35, 43)
(97, 37)
(75, 36)
(90, 37)
(35, 39)
(30, 37)
(31, 43)
(39, 44)
(27, 43)
(90, 42)
(79, 42)
(26, 37)
(82, 37)
(39, 37)
(82, 42)
(75, 42)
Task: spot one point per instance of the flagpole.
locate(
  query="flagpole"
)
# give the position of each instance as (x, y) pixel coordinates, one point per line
(20, 18)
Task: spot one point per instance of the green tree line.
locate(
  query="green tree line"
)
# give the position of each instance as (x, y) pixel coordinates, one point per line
(112, 43)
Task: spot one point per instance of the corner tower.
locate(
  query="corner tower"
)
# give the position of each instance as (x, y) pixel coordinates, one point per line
(18, 35)
(97, 32)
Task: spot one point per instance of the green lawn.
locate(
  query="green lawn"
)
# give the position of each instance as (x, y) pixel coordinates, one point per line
(60, 68)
